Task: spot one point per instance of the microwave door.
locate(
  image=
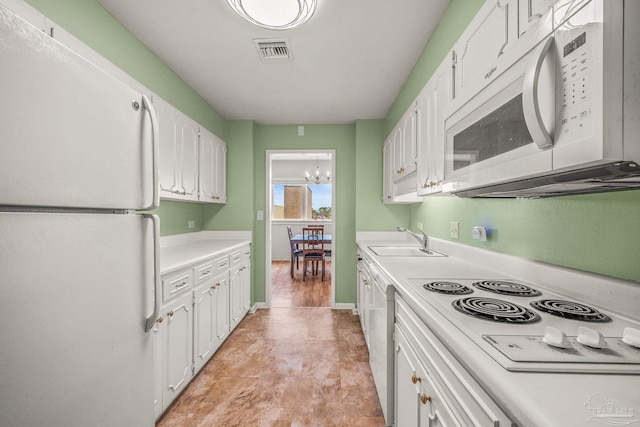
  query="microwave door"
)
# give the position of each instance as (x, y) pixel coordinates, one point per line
(504, 131)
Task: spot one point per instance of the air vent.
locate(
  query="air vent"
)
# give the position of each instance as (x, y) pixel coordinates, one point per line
(270, 49)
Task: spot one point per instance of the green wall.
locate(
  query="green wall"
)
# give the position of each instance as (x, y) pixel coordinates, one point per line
(316, 137)
(371, 214)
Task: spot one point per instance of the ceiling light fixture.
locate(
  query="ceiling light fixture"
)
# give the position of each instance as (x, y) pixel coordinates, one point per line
(316, 177)
(275, 14)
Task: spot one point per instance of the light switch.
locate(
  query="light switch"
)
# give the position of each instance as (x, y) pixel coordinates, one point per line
(260, 216)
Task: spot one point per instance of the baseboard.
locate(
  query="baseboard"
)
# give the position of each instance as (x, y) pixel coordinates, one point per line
(257, 306)
(344, 306)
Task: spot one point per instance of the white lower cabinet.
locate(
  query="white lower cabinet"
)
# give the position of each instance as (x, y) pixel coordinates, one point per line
(204, 323)
(177, 346)
(195, 318)
(223, 302)
(418, 401)
(431, 387)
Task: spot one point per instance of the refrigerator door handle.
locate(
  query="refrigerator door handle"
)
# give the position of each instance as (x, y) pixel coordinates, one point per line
(154, 136)
(150, 321)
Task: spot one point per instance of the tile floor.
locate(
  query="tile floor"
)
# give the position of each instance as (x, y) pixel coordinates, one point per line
(284, 367)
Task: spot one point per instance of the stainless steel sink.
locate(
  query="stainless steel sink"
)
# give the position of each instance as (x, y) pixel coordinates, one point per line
(406, 251)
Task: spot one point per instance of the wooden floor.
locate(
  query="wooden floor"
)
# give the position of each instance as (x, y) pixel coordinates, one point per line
(284, 367)
(288, 292)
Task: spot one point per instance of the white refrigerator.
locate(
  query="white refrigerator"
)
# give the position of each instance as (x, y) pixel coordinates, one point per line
(78, 267)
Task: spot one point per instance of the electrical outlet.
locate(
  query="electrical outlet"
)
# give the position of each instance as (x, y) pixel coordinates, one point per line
(419, 226)
(191, 224)
(454, 230)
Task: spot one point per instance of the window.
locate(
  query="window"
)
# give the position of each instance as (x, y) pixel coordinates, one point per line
(301, 201)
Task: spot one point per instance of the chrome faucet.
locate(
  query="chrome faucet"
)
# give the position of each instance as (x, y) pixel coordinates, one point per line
(424, 239)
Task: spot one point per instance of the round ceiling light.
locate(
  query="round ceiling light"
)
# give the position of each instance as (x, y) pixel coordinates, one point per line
(275, 14)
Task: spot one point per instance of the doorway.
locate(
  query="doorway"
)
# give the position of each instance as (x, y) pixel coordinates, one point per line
(300, 193)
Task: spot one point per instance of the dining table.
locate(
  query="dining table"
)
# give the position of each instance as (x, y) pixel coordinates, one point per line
(299, 239)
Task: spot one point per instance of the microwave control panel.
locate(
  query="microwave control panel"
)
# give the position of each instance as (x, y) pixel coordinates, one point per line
(575, 73)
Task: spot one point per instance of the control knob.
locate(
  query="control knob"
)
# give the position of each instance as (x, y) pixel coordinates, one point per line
(555, 338)
(591, 338)
(631, 336)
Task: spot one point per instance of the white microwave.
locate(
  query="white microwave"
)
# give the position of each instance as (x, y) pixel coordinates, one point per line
(562, 115)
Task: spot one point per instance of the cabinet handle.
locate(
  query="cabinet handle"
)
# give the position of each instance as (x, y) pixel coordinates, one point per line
(424, 398)
(415, 378)
(170, 313)
(159, 319)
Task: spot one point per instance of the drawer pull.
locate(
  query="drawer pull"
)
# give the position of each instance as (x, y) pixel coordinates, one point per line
(182, 285)
(159, 319)
(170, 313)
(425, 398)
(415, 378)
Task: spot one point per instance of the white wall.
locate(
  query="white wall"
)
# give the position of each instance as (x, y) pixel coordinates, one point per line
(280, 249)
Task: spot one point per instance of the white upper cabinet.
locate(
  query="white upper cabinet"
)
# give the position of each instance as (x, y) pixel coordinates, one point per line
(476, 53)
(409, 150)
(178, 164)
(399, 161)
(213, 153)
(530, 11)
(403, 139)
(430, 130)
(387, 172)
(192, 162)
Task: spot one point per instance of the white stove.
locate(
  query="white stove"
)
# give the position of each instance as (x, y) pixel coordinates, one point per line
(525, 327)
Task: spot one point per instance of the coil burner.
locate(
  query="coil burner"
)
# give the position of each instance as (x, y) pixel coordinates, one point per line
(451, 288)
(507, 288)
(570, 310)
(495, 310)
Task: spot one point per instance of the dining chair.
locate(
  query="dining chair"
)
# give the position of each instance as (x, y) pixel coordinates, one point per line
(295, 252)
(312, 250)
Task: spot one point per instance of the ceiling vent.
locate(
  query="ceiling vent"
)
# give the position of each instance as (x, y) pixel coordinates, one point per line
(270, 49)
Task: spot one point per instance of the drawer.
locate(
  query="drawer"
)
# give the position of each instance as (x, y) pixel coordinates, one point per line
(221, 264)
(240, 256)
(203, 271)
(235, 258)
(176, 284)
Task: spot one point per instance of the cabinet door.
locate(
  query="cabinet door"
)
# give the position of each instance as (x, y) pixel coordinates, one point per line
(236, 290)
(430, 130)
(212, 171)
(189, 131)
(220, 194)
(407, 407)
(222, 308)
(387, 172)
(398, 152)
(246, 288)
(178, 150)
(204, 321)
(207, 161)
(530, 11)
(169, 148)
(476, 54)
(409, 152)
(418, 401)
(178, 346)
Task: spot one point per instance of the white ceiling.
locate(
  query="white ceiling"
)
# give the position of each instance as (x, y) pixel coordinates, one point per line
(350, 59)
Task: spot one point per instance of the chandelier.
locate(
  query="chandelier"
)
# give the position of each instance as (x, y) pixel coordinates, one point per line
(275, 14)
(317, 177)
